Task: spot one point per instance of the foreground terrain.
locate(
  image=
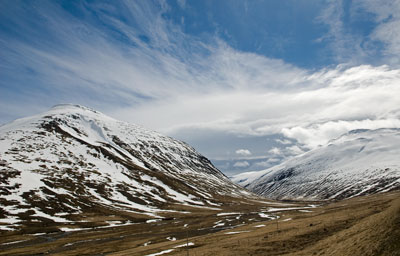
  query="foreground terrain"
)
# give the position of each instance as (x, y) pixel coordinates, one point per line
(368, 225)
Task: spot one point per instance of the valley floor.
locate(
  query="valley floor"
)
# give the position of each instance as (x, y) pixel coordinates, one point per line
(368, 225)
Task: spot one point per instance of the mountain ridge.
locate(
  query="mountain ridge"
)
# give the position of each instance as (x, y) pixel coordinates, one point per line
(72, 160)
(356, 163)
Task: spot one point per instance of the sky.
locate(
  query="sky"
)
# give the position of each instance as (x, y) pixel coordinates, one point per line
(249, 84)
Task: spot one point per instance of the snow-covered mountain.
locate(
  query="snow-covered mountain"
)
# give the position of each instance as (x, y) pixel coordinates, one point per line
(357, 163)
(73, 160)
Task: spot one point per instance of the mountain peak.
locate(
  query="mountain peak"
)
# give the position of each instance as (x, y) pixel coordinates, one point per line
(86, 160)
(66, 112)
(69, 107)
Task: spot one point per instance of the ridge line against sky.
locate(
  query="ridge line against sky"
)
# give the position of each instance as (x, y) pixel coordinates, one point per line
(247, 83)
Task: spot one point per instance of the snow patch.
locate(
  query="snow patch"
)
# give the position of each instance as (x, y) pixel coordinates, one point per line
(259, 226)
(228, 213)
(235, 232)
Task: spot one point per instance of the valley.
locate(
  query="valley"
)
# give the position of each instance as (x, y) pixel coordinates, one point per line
(77, 182)
(199, 128)
(367, 225)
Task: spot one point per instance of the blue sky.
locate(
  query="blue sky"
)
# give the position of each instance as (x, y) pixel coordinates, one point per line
(247, 83)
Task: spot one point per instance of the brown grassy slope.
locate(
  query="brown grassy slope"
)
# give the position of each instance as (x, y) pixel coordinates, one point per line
(368, 225)
(378, 234)
(360, 226)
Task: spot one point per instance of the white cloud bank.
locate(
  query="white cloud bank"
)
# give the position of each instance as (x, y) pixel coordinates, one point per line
(334, 102)
(241, 164)
(243, 152)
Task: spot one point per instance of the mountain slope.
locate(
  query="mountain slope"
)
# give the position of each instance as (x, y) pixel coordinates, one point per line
(357, 163)
(61, 165)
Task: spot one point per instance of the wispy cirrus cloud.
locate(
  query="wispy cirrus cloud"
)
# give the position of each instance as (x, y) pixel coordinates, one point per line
(362, 31)
(130, 61)
(387, 17)
(128, 55)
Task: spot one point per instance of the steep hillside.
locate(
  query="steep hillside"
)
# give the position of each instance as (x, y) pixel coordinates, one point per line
(357, 163)
(72, 163)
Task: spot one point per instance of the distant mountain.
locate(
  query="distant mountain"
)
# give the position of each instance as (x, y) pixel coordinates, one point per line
(357, 163)
(72, 161)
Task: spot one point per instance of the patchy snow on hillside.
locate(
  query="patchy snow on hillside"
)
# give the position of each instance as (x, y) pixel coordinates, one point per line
(357, 163)
(73, 158)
